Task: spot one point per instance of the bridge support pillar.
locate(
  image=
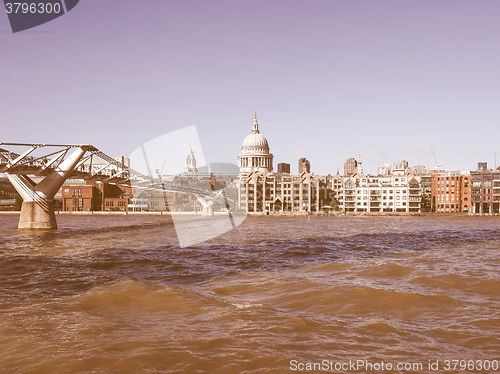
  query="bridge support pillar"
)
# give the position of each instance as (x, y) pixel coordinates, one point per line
(207, 211)
(37, 211)
(36, 216)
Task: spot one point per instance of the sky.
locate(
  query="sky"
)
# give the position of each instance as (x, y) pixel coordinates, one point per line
(329, 80)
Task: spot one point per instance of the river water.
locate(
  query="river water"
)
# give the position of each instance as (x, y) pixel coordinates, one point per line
(117, 294)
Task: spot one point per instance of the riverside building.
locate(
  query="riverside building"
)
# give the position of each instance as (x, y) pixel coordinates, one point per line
(451, 192)
(261, 190)
(485, 193)
(399, 191)
(391, 193)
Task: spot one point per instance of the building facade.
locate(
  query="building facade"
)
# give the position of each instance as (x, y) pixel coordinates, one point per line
(270, 192)
(350, 167)
(261, 190)
(451, 192)
(93, 196)
(393, 193)
(284, 168)
(81, 198)
(304, 166)
(485, 193)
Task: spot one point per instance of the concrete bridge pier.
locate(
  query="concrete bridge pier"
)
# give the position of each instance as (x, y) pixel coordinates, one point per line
(37, 211)
(207, 211)
(37, 216)
(208, 203)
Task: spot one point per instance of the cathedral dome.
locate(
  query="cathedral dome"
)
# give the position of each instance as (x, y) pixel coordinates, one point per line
(255, 155)
(255, 143)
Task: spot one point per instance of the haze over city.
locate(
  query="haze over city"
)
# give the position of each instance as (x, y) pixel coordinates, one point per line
(329, 80)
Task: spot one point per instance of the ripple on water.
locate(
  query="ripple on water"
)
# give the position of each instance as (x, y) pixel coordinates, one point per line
(123, 297)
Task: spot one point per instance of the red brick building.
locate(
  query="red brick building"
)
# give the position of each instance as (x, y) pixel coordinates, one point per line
(450, 193)
(94, 197)
(80, 198)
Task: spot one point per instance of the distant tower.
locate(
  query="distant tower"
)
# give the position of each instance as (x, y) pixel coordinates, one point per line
(123, 160)
(350, 167)
(284, 168)
(360, 166)
(304, 165)
(384, 170)
(482, 166)
(400, 168)
(190, 163)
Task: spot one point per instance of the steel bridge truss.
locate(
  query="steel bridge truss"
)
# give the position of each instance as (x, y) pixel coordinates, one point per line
(55, 163)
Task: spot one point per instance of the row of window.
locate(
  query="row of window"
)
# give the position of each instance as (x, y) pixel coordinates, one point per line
(390, 203)
(73, 192)
(111, 203)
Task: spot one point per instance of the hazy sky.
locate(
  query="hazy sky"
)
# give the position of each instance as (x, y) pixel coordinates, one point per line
(328, 79)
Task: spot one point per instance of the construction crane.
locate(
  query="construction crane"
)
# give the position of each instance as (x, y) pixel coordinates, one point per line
(435, 159)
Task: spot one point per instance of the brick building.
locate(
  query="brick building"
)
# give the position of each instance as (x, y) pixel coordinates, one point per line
(92, 196)
(284, 168)
(451, 192)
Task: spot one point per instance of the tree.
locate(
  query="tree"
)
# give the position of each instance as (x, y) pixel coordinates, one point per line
(334, 203)
(425, 202)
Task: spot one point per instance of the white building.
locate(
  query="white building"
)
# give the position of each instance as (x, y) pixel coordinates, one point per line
(399, 192)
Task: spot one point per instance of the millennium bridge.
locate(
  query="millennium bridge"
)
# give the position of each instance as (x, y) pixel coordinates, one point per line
(54, 163)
